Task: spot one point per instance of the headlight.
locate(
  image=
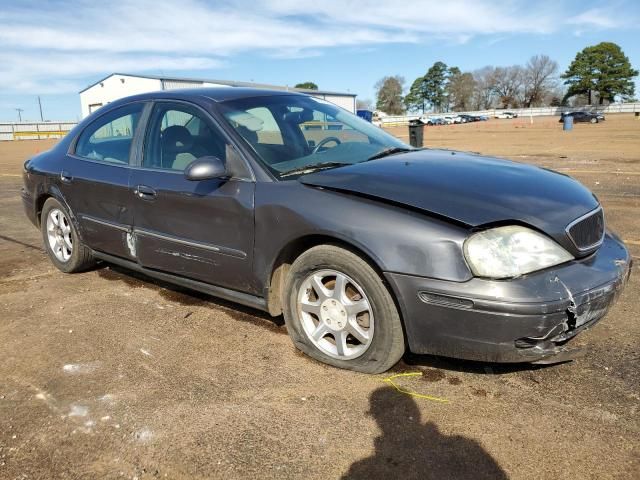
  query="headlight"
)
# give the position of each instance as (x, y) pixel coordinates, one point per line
(506, 252)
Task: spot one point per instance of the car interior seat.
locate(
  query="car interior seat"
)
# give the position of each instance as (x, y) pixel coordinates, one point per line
(176, 144)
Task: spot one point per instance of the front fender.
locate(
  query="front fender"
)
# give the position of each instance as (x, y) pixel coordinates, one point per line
(397, 239)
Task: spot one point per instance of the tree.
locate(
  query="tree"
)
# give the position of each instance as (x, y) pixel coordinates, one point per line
(602, 68)
(538, 79)
(483, 95)
(507, 84)
(429, 89)
(389, 95)
(307, 86)
(460, 89)
(435, 82)
(416, 99)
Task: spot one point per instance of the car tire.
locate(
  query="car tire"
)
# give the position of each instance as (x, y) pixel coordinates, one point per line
(372, 340)
(61, 240)
(594, 120)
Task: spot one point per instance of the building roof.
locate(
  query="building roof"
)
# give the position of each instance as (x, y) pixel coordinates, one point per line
(229, 83)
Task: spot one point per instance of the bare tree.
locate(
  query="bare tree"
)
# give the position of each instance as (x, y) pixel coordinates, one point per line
(389, 95)
(507, 84)
(538, 79)
(460, 89)
(483, 94)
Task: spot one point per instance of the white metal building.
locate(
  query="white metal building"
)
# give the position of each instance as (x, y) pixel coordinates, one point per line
(118, 85)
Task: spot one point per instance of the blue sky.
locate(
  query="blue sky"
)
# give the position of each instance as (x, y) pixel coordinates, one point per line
(55, 48)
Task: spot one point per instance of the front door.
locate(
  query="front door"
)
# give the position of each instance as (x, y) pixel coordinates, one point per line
(95, 180)
(197, 229)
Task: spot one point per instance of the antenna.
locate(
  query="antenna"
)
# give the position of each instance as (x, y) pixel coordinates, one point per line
(19, 110)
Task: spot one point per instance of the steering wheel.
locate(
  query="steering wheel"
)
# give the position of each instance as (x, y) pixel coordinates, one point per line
(323, 142)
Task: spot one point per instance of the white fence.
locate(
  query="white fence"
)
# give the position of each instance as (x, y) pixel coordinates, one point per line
(522, 112)
(34, 130)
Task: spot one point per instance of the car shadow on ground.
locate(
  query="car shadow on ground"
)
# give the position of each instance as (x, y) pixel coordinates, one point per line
(187, 297)
(411, 361)
(407, 448)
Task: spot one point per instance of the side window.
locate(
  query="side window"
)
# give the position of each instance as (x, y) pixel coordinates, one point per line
(177, 135)
(110, 136)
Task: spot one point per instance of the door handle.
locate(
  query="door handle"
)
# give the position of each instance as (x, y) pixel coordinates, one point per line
(65, 177)
(145, 192)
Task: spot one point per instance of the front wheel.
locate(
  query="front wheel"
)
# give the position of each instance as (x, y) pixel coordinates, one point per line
(594, 120)
(338, 311)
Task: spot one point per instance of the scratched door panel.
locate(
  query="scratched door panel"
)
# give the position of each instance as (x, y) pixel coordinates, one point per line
(201, 230)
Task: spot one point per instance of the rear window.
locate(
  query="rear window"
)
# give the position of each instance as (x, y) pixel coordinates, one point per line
(110, 136)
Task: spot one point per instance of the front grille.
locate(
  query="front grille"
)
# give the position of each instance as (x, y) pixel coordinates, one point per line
(587, 232)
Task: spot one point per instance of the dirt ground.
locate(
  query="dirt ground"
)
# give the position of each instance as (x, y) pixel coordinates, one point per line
(110, 375)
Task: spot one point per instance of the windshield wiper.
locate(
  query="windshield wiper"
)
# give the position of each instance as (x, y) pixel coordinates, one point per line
(313, 168)
(390, 151)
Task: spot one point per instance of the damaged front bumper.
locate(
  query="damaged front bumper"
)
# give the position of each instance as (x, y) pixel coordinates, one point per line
(526, 319)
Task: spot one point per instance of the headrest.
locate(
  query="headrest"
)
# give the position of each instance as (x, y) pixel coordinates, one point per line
(298, 117)
(176, 139)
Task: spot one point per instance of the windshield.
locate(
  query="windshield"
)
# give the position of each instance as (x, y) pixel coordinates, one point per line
(292, 134)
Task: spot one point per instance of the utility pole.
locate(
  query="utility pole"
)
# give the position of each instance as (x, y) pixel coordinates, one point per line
(19, 110)
(40, 105)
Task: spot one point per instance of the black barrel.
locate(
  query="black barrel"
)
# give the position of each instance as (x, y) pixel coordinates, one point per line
(416, 133)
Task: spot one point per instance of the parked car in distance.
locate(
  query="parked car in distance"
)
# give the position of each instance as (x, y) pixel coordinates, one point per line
(367, 246)
(504, 115)
(469, 118)
(428, 120)
(588, 117)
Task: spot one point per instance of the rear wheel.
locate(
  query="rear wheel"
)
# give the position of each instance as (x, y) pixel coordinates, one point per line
(338, 311)
(61, 241)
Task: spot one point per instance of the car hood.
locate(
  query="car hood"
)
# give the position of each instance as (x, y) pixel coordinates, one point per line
(466, 188)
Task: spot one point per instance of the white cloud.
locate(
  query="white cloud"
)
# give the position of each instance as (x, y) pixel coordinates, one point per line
(56, 43)
(596, 18)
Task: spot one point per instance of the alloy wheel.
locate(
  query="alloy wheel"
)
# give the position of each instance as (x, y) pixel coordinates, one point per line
(335, 314)
(59, 235)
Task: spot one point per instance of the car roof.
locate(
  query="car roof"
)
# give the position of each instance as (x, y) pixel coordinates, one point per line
(217, 94)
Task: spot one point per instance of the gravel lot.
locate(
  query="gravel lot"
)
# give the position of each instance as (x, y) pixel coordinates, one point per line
(106, 374)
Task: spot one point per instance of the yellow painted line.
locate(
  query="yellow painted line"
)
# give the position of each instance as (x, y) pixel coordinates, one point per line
(10, 175)
(632, 242)
(32, 133)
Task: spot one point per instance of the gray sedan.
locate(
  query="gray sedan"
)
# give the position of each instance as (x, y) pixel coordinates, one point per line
(368, 247)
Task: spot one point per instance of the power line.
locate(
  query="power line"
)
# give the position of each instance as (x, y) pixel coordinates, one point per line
(19, 110)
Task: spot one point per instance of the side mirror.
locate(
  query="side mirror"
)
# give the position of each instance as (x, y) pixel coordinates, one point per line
(205, 168)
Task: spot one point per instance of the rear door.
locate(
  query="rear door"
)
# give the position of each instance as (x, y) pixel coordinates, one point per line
(95, 179)
(198, 229)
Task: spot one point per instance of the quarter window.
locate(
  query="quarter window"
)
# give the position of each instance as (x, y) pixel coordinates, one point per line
(179, 134)
(109, 137)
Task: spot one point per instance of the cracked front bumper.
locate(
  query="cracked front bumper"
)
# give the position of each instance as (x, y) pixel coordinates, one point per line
(526, 319)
